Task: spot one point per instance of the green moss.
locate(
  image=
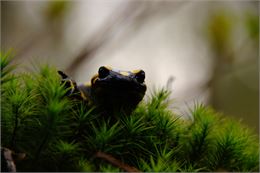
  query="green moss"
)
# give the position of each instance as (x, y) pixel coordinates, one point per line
(60, 134)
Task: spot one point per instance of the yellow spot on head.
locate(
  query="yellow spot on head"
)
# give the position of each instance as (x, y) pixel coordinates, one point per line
(108, 67)
(124, 73)
(94, 78)
(136, 71)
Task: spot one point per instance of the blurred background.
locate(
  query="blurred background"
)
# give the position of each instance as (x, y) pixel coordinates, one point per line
(205, 52)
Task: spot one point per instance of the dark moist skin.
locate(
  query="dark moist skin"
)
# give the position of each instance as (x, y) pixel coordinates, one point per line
(113, 91)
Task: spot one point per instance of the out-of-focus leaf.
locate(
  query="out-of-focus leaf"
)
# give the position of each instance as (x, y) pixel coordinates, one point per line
(56, 9)
(220, 27)
(252, 25)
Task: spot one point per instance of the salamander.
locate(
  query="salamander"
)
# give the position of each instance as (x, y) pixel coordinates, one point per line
(111, 90)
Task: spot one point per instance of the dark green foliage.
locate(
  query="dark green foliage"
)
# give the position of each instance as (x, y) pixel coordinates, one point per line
(252, 25)
(62, 134)
(6, 68)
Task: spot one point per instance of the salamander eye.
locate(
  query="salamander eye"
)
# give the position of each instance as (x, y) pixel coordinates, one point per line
(140, 76)
(103, 72)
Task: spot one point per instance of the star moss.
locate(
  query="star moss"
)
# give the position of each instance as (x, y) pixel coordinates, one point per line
(61, 134)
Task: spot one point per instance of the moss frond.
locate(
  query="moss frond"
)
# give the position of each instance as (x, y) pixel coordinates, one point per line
(108, 168)
(6, 68)
(103, 136)
(233, 145)
(84, 165)
(201, 131)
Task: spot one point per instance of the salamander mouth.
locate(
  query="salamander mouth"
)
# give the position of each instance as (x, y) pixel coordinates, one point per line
(120, 86)
(119, 91)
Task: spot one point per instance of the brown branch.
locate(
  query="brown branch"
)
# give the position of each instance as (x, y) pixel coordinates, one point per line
(116, 162)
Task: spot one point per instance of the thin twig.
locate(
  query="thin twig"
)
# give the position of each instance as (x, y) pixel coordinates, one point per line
(116, 162)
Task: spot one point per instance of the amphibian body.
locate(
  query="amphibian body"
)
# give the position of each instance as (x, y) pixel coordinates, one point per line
(112, 90)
